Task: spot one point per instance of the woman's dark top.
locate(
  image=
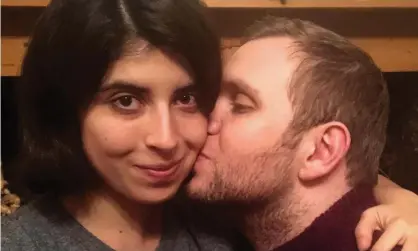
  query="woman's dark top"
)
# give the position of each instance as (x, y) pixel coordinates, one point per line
(45, 225)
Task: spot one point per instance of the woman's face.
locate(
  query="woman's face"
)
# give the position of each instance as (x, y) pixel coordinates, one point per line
(144, 130)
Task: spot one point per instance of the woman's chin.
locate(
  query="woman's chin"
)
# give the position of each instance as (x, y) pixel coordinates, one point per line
(154, 195)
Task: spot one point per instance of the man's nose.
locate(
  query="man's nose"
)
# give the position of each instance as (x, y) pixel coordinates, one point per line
(162, 135)
(215, 121)
(214, 126)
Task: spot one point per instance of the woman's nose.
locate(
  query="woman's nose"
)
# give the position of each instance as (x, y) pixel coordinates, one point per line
(162, 135)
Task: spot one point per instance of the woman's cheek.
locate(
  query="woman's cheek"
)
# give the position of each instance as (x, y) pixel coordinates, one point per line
(194, 131)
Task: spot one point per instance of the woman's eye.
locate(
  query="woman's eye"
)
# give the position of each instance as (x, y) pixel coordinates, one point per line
(187, 99)
(127, 103)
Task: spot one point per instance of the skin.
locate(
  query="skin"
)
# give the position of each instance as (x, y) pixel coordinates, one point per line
(396, 216)
(246, 124)
(248, 137)
(139, 122)
(249, 157)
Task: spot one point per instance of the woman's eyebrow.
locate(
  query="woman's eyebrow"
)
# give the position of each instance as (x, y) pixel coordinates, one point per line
(185, 88)
(125, 86)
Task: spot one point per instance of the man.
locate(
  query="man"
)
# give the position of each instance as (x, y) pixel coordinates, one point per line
(295, 138)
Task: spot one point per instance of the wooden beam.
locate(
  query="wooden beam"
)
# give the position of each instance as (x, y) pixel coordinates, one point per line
(390, 54)
(398, 54)
(312, 3)
(389, 35)
(25, 3)
(13, 50)
(389, 22)
(266, 3)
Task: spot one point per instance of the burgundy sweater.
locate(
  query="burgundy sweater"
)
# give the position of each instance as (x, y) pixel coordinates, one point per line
(334, 229)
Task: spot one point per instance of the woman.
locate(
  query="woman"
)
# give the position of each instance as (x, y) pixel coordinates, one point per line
(115, 96)
(110, 93)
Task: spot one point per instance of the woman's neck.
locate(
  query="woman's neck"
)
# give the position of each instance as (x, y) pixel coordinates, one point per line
(120, 223)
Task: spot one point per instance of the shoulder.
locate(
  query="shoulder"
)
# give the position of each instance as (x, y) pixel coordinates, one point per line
(35, 226)
(16, 230)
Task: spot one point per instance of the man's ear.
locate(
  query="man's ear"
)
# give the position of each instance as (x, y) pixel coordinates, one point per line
(323, 148)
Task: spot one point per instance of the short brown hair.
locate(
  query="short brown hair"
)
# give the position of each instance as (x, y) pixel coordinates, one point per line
(335, 81)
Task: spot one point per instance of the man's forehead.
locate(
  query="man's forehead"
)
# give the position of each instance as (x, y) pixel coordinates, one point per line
(265, 48)
(261, 62)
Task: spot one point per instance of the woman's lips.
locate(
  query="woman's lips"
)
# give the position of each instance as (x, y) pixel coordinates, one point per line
(160, 172)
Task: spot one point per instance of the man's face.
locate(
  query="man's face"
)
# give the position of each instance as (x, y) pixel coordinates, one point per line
(246, 158)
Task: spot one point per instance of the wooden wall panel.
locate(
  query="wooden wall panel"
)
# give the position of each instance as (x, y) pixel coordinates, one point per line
(13, 50)
(312, 3)
(389, 35)
(346, 22)
(390, 54)
(25, 3)
(269, 3)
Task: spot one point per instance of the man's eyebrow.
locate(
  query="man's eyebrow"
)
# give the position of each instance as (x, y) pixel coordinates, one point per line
(124, 86)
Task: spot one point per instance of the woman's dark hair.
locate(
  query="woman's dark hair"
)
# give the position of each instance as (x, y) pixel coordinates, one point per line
(72, 47)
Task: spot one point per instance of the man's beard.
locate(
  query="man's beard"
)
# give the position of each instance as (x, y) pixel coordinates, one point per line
(251, 179)
(255, 192)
